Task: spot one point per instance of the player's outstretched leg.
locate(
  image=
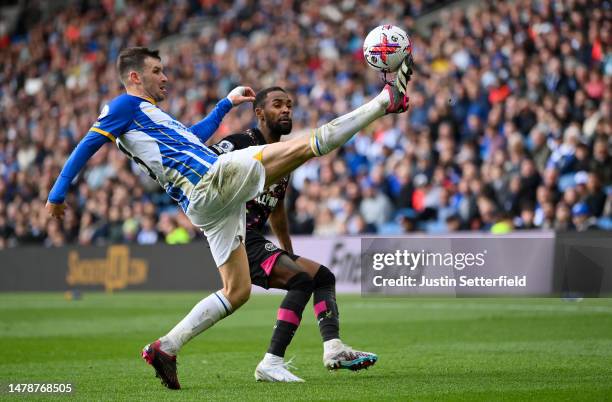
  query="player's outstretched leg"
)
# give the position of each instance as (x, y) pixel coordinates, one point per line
(281, 158)
(337, 132)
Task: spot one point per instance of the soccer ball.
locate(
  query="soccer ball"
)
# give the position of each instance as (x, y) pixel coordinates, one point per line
(385, 47)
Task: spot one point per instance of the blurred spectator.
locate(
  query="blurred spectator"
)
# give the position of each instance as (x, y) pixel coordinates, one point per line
(326, 223)
(375, 207)
(147, 234)
(453, 223)
(445, 209)
(539, 148)
(503, 224)
(488, 212)
(178, 235)
(115, 225)
(302, 221)
(563, 217)
(601, 163)
(407, 220)
(582, 217)
(595, 198)
(526, 220)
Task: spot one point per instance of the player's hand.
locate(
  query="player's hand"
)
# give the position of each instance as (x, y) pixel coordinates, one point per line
(404, 73)
(56, 210)
(240, 95)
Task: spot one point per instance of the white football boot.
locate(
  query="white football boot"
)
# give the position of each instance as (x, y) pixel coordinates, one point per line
(337, 355)
(274, 369)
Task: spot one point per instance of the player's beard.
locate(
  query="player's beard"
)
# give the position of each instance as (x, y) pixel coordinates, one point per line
(154, 91)
(279, 127)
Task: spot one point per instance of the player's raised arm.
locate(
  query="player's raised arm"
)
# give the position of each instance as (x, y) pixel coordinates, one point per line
(205, 128)
(88, 146)
(111, 123)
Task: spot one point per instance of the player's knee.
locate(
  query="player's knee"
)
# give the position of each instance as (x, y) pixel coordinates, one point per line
(324, 277)
(301, 281)
(238, 293)
(240, 296)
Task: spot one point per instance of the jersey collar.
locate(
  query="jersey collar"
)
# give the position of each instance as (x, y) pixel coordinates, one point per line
(258, 136)
(150, 100)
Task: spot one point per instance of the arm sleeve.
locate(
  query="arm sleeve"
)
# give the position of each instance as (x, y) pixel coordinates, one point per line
(205, 128)
(88, 146)
(114, 118)
(232, 142)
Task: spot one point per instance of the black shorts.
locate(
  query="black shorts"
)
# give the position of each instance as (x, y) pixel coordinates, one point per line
(262, 255)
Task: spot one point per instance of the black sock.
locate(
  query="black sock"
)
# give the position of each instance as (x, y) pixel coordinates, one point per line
(290, 312)
(325, 306)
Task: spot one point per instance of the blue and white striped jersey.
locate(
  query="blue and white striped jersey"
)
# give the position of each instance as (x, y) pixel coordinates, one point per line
(169, 152)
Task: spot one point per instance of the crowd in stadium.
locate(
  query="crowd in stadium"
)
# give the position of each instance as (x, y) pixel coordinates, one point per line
(509, 125)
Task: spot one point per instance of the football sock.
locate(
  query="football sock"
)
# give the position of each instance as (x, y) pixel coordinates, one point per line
(325, 307)
(337, 132)
(332, 346)
(204, 315)
(299, 289)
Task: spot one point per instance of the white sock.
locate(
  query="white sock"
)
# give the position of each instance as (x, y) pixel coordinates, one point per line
(201, 317)
(331, 346)
(338, 131)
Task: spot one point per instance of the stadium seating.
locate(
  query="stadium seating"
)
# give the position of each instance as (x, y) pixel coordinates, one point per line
(496, 84)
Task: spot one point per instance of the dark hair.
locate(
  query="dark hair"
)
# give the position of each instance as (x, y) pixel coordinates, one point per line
(132, 58)
(260, 98)
(527, 205)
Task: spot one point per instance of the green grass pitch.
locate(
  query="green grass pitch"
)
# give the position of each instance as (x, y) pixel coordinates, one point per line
(429, 349)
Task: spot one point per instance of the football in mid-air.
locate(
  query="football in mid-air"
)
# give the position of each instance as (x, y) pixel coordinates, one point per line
(385, 47)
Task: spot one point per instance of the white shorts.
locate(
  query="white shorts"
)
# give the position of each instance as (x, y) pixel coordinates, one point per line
(217, 204)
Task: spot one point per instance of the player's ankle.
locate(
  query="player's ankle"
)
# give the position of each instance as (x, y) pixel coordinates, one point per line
(318, 147)
(384, 98)
(331, 344)
(272, 358)
(168, 346)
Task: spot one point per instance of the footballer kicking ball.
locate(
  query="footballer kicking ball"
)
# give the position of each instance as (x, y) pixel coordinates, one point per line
(385, 47)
